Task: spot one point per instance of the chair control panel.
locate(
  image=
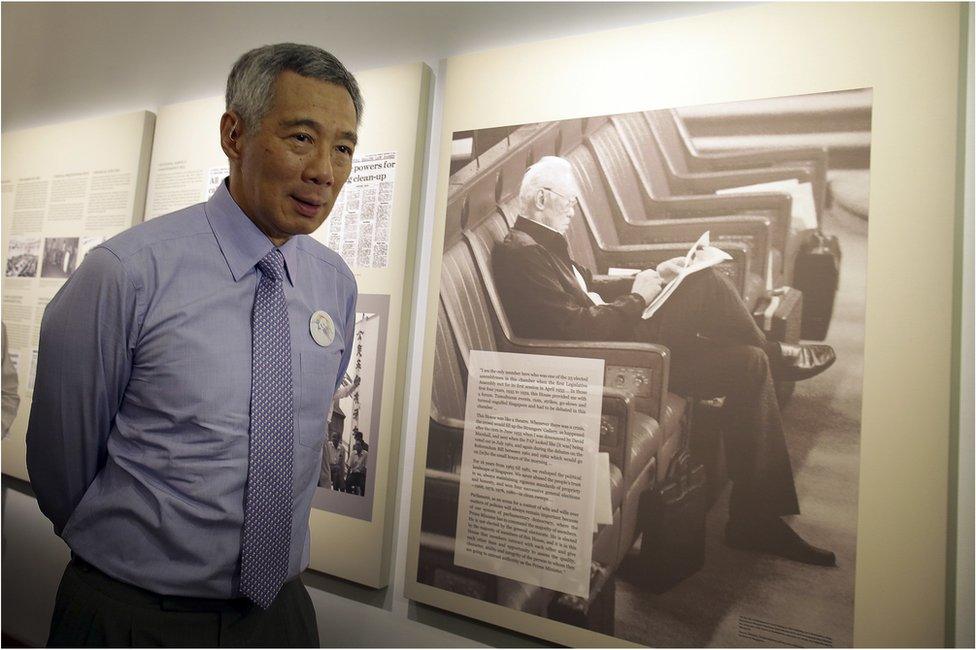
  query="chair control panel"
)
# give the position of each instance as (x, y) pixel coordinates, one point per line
(629, 378)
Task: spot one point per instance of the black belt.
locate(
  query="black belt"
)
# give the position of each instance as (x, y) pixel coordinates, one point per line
(134, 595)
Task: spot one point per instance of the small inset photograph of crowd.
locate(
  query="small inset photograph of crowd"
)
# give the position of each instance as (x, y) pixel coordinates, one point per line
(22, 256)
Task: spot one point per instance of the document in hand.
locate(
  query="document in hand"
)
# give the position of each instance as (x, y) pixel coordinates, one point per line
(803, 212)
(701, 256)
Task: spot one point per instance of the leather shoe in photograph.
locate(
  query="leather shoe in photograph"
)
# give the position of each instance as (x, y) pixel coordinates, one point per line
(802, 361)
(775, 537)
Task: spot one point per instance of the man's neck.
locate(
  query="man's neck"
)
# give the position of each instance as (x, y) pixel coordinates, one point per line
(544, 225)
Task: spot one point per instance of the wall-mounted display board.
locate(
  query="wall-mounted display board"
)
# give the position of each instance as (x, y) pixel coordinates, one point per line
(66, 188)
(508, 489)
(373, 226)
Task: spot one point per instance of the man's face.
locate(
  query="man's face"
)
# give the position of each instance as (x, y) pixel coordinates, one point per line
(559, 203)
(286, 171)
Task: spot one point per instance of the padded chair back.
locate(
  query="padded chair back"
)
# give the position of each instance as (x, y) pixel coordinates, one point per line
(622, 180)
(545, 143)
(637, 140)
(580, 245)
(449, 384)
(482, 198)
(482, 240)
(570, 135)
(464, 302)
(684, 135)
(672, 146)
(457, 216)
(512, 170)
(594, 200)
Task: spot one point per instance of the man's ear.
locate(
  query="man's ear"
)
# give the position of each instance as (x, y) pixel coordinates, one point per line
(540, 199)
(231, 130)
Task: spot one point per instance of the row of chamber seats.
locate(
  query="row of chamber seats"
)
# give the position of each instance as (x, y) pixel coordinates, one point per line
(643, 182)
(641, 423)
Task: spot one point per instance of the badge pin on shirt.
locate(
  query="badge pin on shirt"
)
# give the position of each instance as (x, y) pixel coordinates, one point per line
(322, 328)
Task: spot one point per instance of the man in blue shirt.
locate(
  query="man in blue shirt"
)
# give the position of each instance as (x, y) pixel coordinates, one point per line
(184, 378)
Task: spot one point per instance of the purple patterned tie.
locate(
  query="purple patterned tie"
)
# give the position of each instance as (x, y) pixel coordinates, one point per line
(267, 496)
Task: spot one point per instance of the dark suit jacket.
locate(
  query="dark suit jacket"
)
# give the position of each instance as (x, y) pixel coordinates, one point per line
(543, 299)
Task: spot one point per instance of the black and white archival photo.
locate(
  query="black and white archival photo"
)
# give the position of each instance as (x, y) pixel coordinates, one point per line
(23, 254)
(60, 257)
(646, 400)
(348, 455)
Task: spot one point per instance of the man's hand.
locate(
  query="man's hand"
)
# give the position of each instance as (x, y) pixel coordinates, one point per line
(647, 283)
(670, 269)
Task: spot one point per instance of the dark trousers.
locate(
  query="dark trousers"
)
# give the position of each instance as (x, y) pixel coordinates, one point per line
(338, 477)
(356, 483)
(95, 610)
(718, 350)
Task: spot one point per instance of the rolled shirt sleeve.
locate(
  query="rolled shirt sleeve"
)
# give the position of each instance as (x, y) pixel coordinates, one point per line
(83, 365)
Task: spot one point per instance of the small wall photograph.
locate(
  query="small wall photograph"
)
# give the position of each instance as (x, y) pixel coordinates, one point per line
(347, 476)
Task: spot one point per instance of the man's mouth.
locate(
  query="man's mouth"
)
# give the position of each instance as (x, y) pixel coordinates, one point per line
(307, 206)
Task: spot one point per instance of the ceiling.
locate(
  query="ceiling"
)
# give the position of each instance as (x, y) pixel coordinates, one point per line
(65, 61)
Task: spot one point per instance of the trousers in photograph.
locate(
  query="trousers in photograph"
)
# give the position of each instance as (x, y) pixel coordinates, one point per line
(718, 350)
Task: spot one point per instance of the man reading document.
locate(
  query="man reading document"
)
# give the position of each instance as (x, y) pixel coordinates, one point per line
(184, 378)
(716, 347)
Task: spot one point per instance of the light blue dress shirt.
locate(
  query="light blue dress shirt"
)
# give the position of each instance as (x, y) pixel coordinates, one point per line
(137, 445)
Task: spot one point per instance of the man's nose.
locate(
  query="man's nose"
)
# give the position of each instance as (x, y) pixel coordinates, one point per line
(318, 168)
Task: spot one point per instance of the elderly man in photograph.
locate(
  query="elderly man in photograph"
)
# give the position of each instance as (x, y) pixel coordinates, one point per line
(184, 378)
(716, 348)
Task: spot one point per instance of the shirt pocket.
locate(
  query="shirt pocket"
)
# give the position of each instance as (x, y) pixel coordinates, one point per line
(318, 373)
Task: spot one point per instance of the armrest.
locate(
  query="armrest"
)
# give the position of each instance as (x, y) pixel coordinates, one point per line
(444, 438)
(616, 426)
(707, 182)
(777, 206)
(643, 256)
(753, 158)
(813, 157)
(752, 230)
(641, 368)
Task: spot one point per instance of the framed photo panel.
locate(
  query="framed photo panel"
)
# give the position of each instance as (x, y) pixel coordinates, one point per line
(586, 447)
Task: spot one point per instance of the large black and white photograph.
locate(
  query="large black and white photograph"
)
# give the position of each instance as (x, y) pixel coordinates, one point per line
(348, 454)
(645, 413)
(23, 254)
(60, 257)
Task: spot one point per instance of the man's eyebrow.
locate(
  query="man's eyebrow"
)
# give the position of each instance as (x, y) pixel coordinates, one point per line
(350, 135)
(303, 121)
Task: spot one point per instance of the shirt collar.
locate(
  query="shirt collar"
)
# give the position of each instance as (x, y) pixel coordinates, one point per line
(241, 242)
(554, 241)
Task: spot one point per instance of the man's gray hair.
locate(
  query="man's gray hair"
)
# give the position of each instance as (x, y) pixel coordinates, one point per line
(251, 83)
(548, 172)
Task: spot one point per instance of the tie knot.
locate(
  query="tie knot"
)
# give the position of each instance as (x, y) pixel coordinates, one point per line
(272, 265)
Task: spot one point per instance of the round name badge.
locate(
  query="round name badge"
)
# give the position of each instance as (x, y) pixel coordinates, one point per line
(322, 328)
